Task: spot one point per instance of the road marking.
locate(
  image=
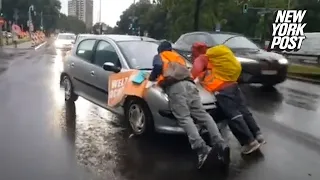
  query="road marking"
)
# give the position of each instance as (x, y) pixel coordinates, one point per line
(40, 45)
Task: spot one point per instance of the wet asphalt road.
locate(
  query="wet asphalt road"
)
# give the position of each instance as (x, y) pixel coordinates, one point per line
(43, 138)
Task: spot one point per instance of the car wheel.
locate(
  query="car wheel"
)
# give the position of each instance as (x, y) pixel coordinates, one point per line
(139, 118)
(69, 95)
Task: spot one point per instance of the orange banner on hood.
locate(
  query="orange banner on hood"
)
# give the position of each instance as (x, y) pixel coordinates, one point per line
(120, 86)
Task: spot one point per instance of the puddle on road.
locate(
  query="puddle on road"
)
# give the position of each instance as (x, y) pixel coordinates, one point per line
(101, 143)
(302, 99)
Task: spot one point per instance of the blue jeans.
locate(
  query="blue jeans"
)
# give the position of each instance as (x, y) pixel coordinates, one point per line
(240, 119)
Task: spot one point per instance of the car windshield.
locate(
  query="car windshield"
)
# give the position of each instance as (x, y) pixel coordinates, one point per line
(139, 54)
(79, 38)
(66, 36)
(234, 41)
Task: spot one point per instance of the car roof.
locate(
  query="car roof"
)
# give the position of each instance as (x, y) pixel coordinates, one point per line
(212, 32)
(66, 34)
(120, 37)
(86, 34)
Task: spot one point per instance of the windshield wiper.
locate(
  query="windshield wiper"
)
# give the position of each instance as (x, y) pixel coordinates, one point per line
(231, 38)
(146, 69)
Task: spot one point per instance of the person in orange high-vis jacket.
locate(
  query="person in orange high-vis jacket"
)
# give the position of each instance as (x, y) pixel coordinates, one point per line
(171, 73)
(218, 70)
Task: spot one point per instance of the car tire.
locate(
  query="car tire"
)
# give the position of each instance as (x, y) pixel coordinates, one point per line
(69, 95)
(139, 126)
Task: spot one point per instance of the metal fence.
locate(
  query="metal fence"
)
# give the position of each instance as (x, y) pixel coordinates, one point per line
(303, 59)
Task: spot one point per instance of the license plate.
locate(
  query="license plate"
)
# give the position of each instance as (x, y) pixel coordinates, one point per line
(269, 72)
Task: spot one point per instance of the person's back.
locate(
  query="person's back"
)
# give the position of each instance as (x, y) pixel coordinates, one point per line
(172, 74)
(218, 72)
(226, 66)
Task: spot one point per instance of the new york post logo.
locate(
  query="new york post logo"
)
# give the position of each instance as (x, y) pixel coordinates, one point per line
(287, 30)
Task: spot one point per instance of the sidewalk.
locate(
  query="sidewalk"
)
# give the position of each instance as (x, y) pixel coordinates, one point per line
(24, 45)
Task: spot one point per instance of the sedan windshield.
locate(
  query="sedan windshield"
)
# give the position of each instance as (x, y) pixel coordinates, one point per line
(139, 54)
(234, 41)
(66, 36)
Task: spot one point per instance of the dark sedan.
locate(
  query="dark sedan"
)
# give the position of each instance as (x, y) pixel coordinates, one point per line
(258, 65)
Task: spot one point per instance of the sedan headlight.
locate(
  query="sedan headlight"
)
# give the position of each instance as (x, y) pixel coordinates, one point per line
(246, 60)
(57, 43)
(283, 61)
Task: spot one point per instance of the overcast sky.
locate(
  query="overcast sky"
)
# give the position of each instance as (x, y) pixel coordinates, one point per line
(111, 10)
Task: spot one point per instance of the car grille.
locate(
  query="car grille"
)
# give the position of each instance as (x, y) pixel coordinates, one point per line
(267, 64)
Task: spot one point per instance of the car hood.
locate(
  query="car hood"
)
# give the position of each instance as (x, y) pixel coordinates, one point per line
(206, 97)
(259, 54)
(63, 41)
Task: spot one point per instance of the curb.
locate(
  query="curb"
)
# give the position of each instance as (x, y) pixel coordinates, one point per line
(303, 79)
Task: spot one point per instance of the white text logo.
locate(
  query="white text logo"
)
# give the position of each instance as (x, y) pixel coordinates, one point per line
(288, 30)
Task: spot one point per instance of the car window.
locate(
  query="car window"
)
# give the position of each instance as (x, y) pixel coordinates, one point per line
(105, 52)
(85, 49)
(190, 39)
(203, 38)
(139, 54)
(234, 41)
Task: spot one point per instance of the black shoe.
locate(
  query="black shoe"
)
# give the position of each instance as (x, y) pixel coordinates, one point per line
(203, 155)
(223, 153)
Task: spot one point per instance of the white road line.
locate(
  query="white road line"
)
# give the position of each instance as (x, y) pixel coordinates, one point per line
(40, 45)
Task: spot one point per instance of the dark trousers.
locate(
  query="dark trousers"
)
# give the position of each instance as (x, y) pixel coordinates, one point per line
(240, 119)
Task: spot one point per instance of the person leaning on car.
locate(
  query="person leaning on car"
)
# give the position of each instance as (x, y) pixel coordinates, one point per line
(171, 73)
(218, 70)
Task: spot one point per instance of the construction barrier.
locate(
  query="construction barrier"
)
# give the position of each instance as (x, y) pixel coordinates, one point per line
(37, 38)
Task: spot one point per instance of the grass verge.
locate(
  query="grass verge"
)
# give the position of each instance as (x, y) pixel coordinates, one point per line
(304, 72)
(10, 42)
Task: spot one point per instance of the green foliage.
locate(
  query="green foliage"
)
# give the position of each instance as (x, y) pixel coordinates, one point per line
(50, 9)
(96, 28)
(167, 19)
(71, 24)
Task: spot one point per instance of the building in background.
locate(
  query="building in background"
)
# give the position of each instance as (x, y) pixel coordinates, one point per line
(72, 8)
(83, 10)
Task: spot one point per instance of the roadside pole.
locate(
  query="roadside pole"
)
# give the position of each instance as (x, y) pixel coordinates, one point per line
(263, 11)
(1, 37)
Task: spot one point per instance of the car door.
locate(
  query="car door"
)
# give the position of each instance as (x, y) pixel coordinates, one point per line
(104, 52)
(81, 68)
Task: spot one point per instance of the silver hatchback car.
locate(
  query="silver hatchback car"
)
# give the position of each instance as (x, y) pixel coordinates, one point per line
(95, 58)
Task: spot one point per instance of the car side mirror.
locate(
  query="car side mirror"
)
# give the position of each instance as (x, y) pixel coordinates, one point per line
(109, 66)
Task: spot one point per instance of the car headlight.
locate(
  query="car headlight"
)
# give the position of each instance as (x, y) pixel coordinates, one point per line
(57, 43)
(246, 60)
(283, 61)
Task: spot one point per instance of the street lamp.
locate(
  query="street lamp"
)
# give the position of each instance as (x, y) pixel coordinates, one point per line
(31, 8)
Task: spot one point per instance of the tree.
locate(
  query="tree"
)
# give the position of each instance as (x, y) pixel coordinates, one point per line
(96, 28)
(49, 8)
(168, 19)
(71, 24)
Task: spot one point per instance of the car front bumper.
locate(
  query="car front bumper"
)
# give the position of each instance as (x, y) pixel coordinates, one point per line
(263, 73)
(166, 123)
